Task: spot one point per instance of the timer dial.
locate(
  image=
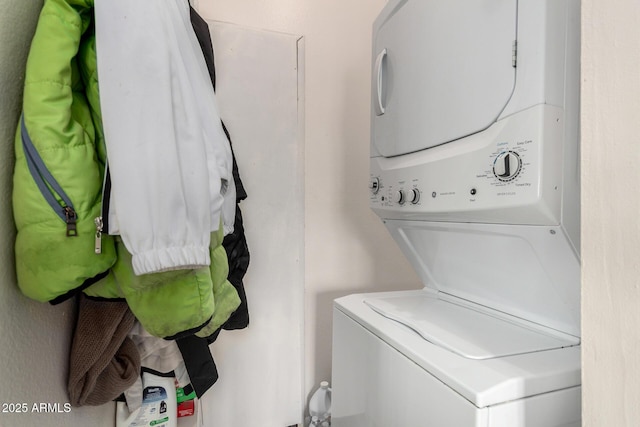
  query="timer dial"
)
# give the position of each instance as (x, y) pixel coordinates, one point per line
(507, 166)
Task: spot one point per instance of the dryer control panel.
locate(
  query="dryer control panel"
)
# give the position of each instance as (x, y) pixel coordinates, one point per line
(509, 173)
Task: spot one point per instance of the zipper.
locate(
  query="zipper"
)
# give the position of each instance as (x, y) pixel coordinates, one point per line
(98, 242)
(47, 184)
(70, 217)
(101, 221)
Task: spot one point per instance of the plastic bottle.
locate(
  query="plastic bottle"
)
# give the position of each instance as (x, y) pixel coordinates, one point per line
(159, 406)
(320, 406)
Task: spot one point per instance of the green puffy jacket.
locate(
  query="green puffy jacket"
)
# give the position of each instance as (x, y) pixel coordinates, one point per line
(58, 186)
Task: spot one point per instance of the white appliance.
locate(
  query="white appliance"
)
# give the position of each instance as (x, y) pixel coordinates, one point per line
(475, 173)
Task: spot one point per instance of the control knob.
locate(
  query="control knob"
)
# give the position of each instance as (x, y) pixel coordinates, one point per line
(507, 166)
(374, 185)
(414, 196)
(399, 197)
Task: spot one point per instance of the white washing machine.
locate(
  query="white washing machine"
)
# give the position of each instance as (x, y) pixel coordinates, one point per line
(475, 173)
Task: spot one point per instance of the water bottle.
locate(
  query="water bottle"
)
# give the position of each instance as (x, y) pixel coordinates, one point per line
(320, 406)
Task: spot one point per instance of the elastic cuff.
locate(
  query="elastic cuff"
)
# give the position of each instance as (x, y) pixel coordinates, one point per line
(158, 260)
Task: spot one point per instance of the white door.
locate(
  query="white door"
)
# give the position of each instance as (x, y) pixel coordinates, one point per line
(442, 70)
(259, 88)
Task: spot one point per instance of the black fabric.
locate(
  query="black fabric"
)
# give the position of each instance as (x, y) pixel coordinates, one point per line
(238, 254)
(241, 193)
(188, 332)
(201, 28)
(106, 201)
(76, 291)
(199, 363)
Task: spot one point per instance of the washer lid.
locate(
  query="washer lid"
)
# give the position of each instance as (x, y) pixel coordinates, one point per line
(526, 272)
(465, 330)
(484, 382)
(442, 70)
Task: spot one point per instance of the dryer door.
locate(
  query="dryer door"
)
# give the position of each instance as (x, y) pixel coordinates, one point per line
(442, 70)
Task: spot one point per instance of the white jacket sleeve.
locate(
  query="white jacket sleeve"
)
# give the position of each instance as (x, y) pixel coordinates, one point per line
(169, 158)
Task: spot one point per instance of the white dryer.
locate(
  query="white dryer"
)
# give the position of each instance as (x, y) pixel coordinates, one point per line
(475, 173)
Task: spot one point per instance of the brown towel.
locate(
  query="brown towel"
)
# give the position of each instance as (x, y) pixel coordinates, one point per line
(104, 361)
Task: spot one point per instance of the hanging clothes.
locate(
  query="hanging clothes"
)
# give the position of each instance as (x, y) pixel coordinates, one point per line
(60, 149)
(235, 243)
(61, 135)
(169, 158)
(103, 361)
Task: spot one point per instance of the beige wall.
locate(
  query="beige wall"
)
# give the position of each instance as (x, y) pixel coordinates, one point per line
(347, 248)
(34, 337)
(611, 213)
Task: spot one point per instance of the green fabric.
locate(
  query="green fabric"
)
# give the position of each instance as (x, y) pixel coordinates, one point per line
(63, 118)
(225, 294)
(57, 117)
(190, 298)
(107, 287)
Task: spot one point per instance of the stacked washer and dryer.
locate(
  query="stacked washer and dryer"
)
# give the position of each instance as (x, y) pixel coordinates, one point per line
(475, 173)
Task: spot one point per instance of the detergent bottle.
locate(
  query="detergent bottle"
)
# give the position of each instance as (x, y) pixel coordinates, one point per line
(320, 406)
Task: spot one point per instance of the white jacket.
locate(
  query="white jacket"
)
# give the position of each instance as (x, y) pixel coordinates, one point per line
(169, 159)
